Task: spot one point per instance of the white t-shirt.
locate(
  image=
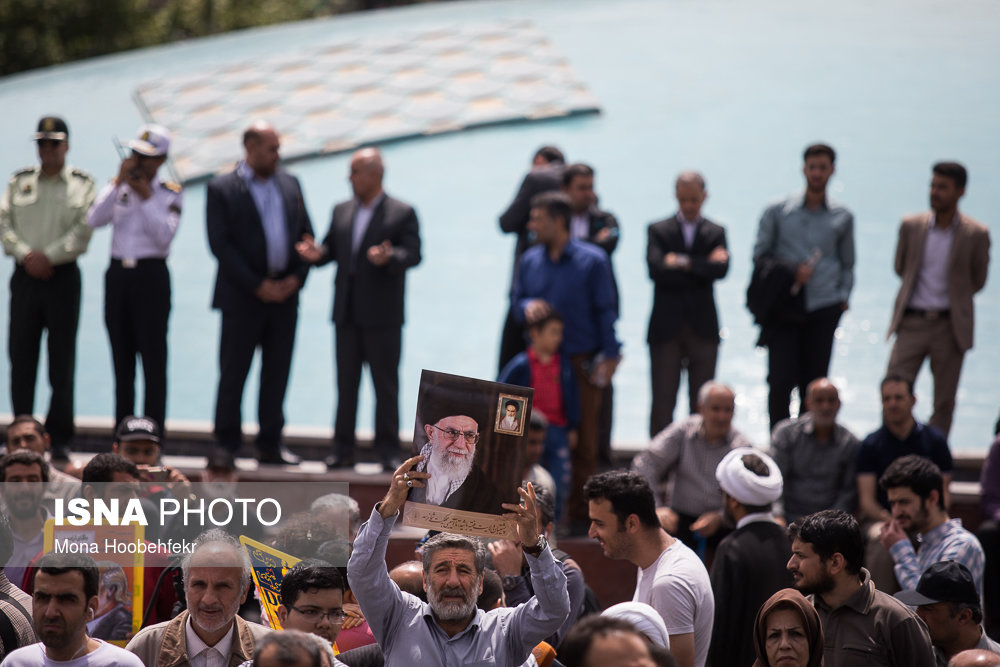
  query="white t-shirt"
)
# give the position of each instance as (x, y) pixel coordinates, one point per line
(677, 586)
(106, 655)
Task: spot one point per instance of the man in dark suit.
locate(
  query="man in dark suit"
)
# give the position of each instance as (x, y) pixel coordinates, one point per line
(942, 257)
(374, 239)
(686, 255)
(545, 176)
(255, 214)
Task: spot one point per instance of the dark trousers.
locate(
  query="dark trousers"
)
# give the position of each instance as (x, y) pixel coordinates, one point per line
(585, 456)
(136, 310)
(512, 340)
(604, 454)
(53, 306)
(703, 546)
(666, 361)
(797, 355)
(271, 327)
(989, 537)
(380, 349)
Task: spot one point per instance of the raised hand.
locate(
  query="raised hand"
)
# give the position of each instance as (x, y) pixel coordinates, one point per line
(404, 479)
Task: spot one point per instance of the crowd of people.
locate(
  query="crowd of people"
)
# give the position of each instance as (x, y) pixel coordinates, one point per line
(728, 539)
(261, 234)
(775, 572)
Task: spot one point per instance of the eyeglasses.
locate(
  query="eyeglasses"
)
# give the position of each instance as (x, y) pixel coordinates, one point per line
(48, 143)
(451, 435)
(314, 614)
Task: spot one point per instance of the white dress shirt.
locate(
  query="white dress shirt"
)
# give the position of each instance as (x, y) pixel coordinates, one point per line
(201, 654)
(142, 228)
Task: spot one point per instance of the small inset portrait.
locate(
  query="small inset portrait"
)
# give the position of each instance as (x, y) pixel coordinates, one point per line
(510, 415)
(113, 618)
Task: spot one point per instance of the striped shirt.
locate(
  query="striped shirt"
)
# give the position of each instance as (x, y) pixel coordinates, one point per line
(949, 541)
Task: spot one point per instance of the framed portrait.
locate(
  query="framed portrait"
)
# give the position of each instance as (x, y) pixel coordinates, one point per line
(510, 415)
(475, 455)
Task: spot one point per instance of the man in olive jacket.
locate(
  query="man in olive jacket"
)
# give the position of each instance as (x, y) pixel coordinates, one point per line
(216, 578)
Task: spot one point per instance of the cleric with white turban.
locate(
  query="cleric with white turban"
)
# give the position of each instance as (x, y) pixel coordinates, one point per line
(746, 486)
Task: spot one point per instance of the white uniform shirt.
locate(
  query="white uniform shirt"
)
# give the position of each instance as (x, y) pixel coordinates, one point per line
(142, 228)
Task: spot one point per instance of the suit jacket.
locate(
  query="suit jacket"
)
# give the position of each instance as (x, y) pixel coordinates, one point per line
(967, 267)
(366, 295)
(236, 237)
(598, 220)
(515, 219)
(165, 644)
(684, 296)
(114, 625)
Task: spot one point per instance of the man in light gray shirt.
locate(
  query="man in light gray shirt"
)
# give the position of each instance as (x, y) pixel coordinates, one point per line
(813, 237)
(449, 629)
(686, 454)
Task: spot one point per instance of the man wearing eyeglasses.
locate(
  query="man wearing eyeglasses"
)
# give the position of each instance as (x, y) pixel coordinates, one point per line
(449, 456)
(43, 226)
(312, 599)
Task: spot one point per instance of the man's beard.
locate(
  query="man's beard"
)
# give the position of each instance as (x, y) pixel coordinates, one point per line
(56, 638)
(22, 510)
(824, 585)
(453, 467)
(451, 611)
(220, 621)
(918, 523)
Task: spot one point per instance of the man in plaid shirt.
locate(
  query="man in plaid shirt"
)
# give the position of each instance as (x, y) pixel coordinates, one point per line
(916, 496)
(16, 629)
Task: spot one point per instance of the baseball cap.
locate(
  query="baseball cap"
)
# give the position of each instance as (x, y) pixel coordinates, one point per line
(947, 581)
(138, 428)
(152, 140)
(52, 127)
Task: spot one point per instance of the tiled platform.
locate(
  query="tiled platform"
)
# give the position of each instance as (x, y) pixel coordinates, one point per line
(340, 95)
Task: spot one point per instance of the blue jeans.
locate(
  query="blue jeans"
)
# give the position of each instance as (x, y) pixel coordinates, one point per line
(556, 460)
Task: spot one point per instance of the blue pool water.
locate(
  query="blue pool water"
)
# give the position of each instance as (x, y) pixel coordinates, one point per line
(733, 89)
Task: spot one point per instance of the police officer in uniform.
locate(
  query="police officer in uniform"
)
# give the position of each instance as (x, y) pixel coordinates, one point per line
(43, 226)
(144, 212)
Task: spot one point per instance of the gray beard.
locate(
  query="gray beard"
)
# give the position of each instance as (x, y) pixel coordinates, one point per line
(453, 469)
(450, 611)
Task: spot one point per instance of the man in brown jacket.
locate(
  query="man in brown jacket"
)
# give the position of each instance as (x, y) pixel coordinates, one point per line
(216, 578)
(942, 257)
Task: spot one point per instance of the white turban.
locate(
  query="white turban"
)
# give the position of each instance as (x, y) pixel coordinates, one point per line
(746, 486)
(645, 619)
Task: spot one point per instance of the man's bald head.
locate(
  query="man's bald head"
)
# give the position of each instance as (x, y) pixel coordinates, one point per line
(409, 576)
(823, 403)
(369, 157)
(366, 174)
(261, 144)
(691, 178)
(716, 404)
(975, 658)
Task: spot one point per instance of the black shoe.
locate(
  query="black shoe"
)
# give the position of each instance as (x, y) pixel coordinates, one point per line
(59, 453)
(335, 461)
(279, 456)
